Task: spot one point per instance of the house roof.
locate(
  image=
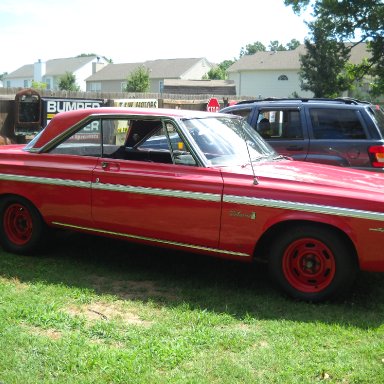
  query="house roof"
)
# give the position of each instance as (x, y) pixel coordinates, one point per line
(216, 87)
(286, 60)
(55, 67)
(162, 68)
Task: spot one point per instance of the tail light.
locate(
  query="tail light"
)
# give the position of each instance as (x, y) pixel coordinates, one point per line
(377, 155)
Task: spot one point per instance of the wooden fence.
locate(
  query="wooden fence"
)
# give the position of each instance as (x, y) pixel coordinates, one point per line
(173, 101)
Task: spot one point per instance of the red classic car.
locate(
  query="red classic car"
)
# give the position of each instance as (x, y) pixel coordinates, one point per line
(196, 181)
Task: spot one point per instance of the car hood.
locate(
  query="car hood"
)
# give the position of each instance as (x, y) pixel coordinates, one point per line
(318, 178)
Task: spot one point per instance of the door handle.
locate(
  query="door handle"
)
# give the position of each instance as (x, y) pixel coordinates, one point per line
(110, 166)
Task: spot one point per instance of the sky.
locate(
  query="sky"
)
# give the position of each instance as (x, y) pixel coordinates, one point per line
(129, 31)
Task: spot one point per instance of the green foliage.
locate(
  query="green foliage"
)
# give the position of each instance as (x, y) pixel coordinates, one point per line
(251, 49)
(293, 44)
(138, 80)
(67, 82)
(38, 85)
(219, 72)
(276, 46)
(323, 65)
(358, 20)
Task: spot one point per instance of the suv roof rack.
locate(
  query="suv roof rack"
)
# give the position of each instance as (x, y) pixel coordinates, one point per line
(345, 100)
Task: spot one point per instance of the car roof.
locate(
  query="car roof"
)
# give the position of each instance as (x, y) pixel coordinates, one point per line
(302, 101)
(63, 120)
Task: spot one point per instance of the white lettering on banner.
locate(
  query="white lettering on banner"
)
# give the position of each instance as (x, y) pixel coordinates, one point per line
(64, 105)
(56, 106)
(136, 103)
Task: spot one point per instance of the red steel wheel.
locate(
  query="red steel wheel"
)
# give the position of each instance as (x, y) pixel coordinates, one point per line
(22, 229)
(312, 262)
(309, 265)
(18, 224)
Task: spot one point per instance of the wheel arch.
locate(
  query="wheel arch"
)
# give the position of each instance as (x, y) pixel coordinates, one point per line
(4, 196)
(261, 248)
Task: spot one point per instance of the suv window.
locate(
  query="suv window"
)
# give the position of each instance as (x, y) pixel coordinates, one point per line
(336, 124)
(377, 115)
(278, 124)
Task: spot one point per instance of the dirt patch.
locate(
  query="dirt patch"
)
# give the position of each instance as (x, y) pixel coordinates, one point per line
(52, 334)
(15, 282)
(143, 290)
(107, 311)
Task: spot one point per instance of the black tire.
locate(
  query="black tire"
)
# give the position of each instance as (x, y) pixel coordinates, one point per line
(312, 263)
(22, 228)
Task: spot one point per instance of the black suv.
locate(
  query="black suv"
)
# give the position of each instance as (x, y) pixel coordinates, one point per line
(342, 131)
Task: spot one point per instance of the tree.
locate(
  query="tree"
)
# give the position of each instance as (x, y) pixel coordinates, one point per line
(359, 21)
(251, 49)
(276, 46)
(219, 72)
(138, 80)
(293, 44)
(67, 82)
(3, 75)
(39, 85)
(322, 67)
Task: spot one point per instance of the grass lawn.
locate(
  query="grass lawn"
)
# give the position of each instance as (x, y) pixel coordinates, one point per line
(103, 311)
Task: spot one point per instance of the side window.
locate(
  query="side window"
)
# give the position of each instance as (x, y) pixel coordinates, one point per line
(145, 140)
(279, 124)
(180, 150)
(114, 133)
(84, 142)
(166, 141)
(336, 124)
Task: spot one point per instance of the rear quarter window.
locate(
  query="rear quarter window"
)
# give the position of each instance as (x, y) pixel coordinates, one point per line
(342, 124)
(377, 115)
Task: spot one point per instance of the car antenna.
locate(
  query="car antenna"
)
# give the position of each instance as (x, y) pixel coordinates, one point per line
(255, 179)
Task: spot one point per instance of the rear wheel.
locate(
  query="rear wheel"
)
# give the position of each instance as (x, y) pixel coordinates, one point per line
(312, 263)
(21, 225)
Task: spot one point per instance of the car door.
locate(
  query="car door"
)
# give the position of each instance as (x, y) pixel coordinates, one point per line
(284, 129)
(147, 200)
(63, 193)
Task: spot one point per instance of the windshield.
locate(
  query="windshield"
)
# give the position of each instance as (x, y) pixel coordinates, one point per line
(228, 141)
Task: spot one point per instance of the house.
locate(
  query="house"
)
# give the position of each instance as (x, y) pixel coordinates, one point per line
(276, 73)
(199, 87)
(113, 77)
(49, 72)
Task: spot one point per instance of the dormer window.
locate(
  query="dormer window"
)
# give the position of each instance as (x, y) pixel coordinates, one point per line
(282, 77)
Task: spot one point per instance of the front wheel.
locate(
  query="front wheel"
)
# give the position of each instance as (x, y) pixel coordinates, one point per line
(21, 226)
(312, 263)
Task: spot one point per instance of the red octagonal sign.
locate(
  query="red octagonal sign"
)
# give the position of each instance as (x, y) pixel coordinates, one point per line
(213, 105)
